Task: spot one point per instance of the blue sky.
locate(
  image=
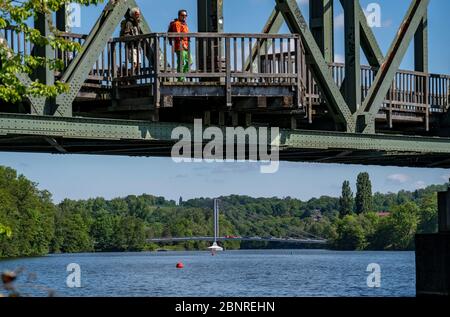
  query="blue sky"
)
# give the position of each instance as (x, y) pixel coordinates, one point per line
(79, 177)
(237, 12)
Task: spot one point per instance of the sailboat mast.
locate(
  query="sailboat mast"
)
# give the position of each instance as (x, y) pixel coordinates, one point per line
(216, 219)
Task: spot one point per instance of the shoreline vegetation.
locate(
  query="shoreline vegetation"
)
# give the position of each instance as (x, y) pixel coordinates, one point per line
(32, 225)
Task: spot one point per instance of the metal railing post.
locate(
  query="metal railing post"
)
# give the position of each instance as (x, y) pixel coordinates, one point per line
(427, 102)
(228, 72)
(157, 83)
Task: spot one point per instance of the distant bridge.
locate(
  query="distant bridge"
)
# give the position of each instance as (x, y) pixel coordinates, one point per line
(252, 239)
(308, 238)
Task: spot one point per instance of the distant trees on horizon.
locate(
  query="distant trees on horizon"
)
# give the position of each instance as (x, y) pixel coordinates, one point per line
(31, 224)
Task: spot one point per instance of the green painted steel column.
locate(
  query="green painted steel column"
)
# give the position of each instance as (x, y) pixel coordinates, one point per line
(210, 20)
(44, 74)
(61, 22)
(61, 19)
(321, 21)
(383, 80)
(421, 46)
(210, 16)
(272, 26)
(352, 55)
(335, 101)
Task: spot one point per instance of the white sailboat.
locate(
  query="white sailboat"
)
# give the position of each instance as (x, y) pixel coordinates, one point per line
(215, 247)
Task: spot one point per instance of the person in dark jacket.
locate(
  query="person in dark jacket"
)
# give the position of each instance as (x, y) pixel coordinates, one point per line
(131, 27)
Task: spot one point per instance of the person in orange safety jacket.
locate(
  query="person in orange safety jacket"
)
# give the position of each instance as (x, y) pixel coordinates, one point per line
(181, 45)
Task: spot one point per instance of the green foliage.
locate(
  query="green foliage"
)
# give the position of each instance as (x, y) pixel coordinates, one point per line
(364, 199)
(129, 234)
(350, 234)
(403, 226)
(26, 215)
(4, 230)
(17, 15)
(346, 202)
(72, 234)
(30, 224)
(428, 214)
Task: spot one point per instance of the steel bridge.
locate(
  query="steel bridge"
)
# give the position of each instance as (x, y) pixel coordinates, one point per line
(327, 111)
(250, 239)
(305, 238)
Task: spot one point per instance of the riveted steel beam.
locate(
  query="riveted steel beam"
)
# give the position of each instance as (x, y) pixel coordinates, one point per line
(369, 43)
(210, 20)
(321, 20)
(90, 129)
(61, 19)
(37, 104)
(352, 55)
(44, 74)
(335, 101)
(274, 23)
(79, 68)
(210, 16)
(421, 46)
(272, 26)
(384, 78)
(56, 145)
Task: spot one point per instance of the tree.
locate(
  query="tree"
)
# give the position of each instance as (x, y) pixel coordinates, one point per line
(129, 234)
(4, 230)
(16, 15)
(364, 199)
(403, 223)
(102, 231)
(350, 234)
(72, 234)
(26, 215)
(346, 200)
(428, 222)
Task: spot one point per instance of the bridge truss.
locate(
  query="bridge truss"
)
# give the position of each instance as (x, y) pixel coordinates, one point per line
(328, 112)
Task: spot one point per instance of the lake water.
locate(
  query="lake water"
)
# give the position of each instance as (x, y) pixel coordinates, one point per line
(230, 273)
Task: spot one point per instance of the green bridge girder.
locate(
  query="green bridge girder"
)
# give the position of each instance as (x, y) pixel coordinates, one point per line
(59, 135)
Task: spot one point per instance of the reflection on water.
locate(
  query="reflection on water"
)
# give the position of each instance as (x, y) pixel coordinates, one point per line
(231, 273)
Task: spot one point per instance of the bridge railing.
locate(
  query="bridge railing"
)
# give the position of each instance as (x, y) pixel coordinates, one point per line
(439, 92)
(100, 75)
(228, 59)
(17, 41)
(408, 87)
(132, 61)
(238, 59)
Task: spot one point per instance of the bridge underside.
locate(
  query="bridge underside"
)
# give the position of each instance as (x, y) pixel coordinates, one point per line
(45, 134)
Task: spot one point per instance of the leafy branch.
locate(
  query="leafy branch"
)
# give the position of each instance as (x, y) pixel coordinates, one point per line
(17, 15)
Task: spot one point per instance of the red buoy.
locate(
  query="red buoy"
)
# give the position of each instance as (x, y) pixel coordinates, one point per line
(180, 265)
